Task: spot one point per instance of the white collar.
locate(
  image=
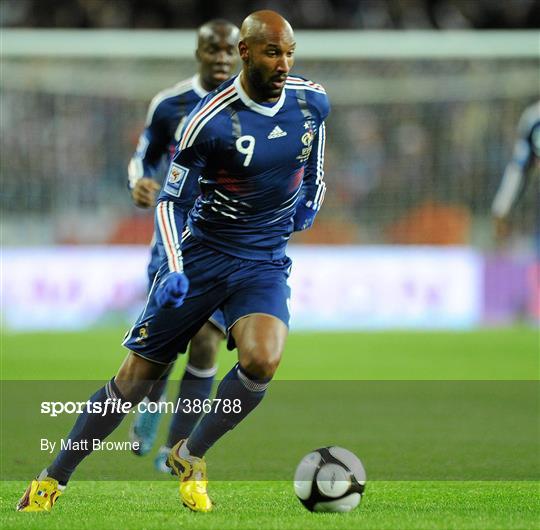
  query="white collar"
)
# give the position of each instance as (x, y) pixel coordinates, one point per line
(253, 105)
(197, 87)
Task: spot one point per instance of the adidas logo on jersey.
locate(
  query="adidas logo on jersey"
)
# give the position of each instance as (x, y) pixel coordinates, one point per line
(277, 132)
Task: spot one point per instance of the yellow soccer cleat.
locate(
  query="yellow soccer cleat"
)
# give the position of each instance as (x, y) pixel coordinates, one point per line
(40, 496)
(193, 481)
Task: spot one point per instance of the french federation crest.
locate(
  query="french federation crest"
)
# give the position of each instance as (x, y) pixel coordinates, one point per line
(307, 138)
(307, 141)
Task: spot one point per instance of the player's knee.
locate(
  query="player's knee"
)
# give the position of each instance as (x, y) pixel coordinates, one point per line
(261, 361)
(136, 377)
(133, 391)
(204, 347)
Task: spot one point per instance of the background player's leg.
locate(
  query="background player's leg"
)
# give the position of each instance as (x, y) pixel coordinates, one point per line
(260, 340)
(196, 383)
(143, 431)
(197, 380)
(132, 383)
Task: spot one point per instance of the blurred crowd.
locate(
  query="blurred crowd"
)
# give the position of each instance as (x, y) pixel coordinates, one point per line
(408, 170)
(303, 14)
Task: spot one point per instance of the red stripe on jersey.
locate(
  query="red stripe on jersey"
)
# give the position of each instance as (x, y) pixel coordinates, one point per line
(169, 248)
(203, 112)
(299, 81)
(297, 177)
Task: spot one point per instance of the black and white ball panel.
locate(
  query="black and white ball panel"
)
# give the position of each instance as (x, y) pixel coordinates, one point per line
(351, 461)
(330, 479)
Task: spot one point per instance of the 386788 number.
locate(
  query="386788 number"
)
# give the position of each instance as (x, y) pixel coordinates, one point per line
(196, 406)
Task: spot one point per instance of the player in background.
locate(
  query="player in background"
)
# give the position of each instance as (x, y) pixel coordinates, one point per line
(525, 157)
(217, 56)
(248, 172)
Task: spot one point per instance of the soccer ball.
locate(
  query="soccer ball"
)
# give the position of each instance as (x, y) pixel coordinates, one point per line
(330, 479)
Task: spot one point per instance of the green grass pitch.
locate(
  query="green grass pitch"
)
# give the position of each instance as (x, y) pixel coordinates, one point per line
(503, 354)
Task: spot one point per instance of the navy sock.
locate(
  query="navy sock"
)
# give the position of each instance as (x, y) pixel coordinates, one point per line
(89, 426)
(158, 390)
(195, 384)
(236, 385)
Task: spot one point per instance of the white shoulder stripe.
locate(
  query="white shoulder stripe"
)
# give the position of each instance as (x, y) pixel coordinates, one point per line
(209, 116)
(176, 90)
(209, 109)
(304, 87)
(298, 81)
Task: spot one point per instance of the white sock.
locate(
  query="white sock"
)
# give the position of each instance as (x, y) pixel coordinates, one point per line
(184, 453)
(44, 474)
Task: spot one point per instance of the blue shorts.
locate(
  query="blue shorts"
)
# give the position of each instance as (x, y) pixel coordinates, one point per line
(217, 318)
(218, 281)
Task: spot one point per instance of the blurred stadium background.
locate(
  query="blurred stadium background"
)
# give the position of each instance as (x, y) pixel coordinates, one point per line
(422, 126)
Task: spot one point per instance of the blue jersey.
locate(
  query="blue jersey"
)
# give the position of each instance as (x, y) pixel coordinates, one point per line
(242, 167)
(526, 152)
(527, 146)
(165, 118)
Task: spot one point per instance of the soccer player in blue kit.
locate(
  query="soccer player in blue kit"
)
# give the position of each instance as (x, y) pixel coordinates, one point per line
(216, 54)
(517, 174)
(251, 157)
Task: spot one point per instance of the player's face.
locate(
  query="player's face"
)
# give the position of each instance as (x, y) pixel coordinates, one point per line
(217, 57)
(268, 64)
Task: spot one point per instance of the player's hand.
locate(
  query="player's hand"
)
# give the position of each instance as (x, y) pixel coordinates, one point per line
(144, 192)
(303, 217)
(172, 290)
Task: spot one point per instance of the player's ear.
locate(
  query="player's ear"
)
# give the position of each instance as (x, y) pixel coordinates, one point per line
(197, 55)
(243, 51)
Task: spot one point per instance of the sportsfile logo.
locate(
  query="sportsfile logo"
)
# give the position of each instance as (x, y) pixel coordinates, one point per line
(117, 406)
(109, 406)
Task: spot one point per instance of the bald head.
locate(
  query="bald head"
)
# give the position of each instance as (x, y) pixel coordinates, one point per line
(267, 51)
(263, 25)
